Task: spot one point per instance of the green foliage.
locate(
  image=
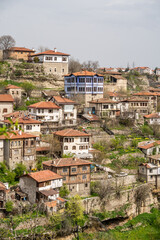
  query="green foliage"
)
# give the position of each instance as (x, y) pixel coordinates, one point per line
(28, 87)
(36, 59)
(9, 206)
(64, 192)
(135, 143)
(19, 170)
(68, 155)
(40, 160)
(18, 73)
(147, 130)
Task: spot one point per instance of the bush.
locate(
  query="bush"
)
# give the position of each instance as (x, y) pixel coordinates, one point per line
(146, 130)
(18, 73)
(9, 206)
(64, 192)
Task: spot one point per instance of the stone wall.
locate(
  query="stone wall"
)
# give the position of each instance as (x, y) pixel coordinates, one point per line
(114, 201)
(1, 55)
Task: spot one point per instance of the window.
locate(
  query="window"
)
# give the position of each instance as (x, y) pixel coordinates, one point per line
(62, 70)
(64, 178)
(55, 69)
(64, 59)
(105, 106)
(4, 110)
(88, 80)
(88, 89)
(17, 92)
(95, 89)
(72, 178)
(65, 169)
(65, 147)
(81, 89)
(28, 150)
(50, 111)
(28, 127)
(26, 142)
(74, 169)
(32, 142)
(100, 89)
(19, 143)
(74, 148)
(150, 170)
(55, 58)
(13, 92)
(84, 168)
(84, 177)
(95, 80)
(86, 184)
(48, 58)
(81, 80)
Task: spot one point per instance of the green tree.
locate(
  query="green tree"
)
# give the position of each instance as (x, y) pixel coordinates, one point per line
(19, 170)
(64, 192)
(74, 211)
(28, 87)
(9, 206)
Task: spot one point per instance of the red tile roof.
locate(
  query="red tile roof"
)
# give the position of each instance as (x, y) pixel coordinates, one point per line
(17, 135)
(115, 94)
(6, 98)
(152, 115)
(39, 149)
(46, 105)
(147, 94)
(43, 176)
(63, 100)
(49, 192)
(61, 199)
(118, 77)
(24, 120)
(103, 100)
(21, 49)
(51, 204)
(71, 133)
(149, 145)
(84, 73)
(154, 89)
(91, 117)
(50, 52)
(66, 162)
(10, 86)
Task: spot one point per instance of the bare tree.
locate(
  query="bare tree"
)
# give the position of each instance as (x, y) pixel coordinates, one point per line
(6, 42)
(74, 65)
(90, 65)
(141, 195)
(42, 49)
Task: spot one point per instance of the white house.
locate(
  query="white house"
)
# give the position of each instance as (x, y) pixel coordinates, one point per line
(68, 111)
(158, 71)
(40, 183)
(6, 105)
(74, 142)
(153, 118)
(150, 147)
(54, 62)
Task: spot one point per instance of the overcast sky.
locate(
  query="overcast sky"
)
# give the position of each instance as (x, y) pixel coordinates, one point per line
(113, 32)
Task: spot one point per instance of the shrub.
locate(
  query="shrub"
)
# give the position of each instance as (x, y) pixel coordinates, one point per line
(64, 192)
(9, 206)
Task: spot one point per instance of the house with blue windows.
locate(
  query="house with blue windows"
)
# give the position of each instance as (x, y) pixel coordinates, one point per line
(87, 84)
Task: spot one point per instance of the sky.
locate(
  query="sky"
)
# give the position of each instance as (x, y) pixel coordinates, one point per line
(114, 32)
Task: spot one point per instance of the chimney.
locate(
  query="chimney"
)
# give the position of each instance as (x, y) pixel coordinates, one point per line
(55, 49)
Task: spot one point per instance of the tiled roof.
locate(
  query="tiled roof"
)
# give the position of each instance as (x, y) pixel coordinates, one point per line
(6, 98)
(63, 100)
(66, 162)
(91, 117)
(46, 105)
(50, 52)
(84, 73)
(148, 165)
(21, 49)
(51, 204)
(24, 120)
(61, 199)
(115, 94)
(118, 77)
(12, 87)
(104, 100)
(149, 145)
(155, 157)
(154, 89)
(147, 94)
(71, 133)
(17, 135)
(49, 192)
(39, 149)
(134, 100)
(43, 176)
(152, 115)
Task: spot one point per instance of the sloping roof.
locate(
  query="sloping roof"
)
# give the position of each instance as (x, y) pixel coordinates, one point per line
(84, 73)
(149, 145)
(134, 100)
(103, 100)
(10, 86)
(71, 133)
(24, 120)
(39, 149)
(49, 192)
(63, 100)
(148, 165)
(51, 204)
(50, 52)
(65, 162)
(45, 105)
(155, 157)
(43, 176)
(115, 94)
(17, 135)
(147, 94)
(152, 115)
(151, 89)
(6, 98)
(118, 77)
(91, 117)
(21, 49)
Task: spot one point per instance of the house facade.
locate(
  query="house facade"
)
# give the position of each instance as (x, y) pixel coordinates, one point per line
(134, 108)
(6, 105)
(153, 118)
(42, 185)
(68, 115)
(158, 71)
(115, 83)
(18, 53)
(73, 142)
(19, 147)
(46, 112)
(143, 70)
(88, 85)
(76, 173)
(150, 147)
(104, 107)
(14, 91)
(53, 62)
